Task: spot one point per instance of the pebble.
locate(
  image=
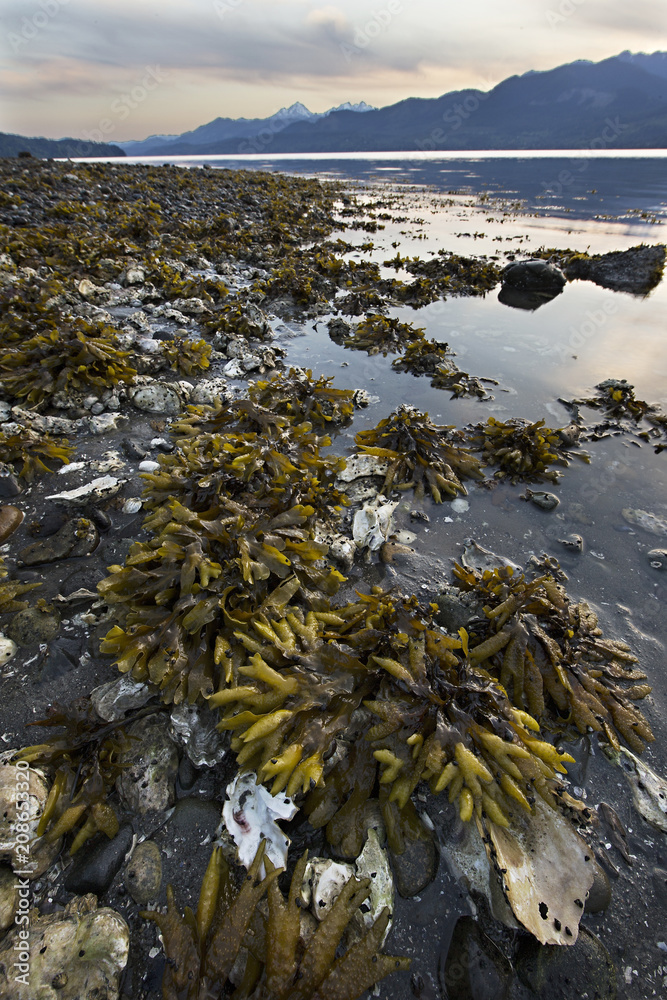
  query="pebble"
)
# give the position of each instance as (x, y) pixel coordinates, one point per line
(9, 484)
(143, 874)
(132, 506)
(146, 784)
(147, 466)
(553, 973)
(134, 276)
(112, 700)
(416, 867)
(10, 519)
(474, 968)
(8, 649)
(97, 863)
(599, 894)
(573, 543)
(33, 626)
(657, 558)
(157, 398)
(134, 450)
(77, 537)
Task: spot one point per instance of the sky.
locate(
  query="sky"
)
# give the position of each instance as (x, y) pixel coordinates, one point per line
(125, 69)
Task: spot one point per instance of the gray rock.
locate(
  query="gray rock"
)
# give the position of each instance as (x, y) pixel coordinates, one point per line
(474, 967)
(33, 626)
(112, 700)
(97, 863)
(78, 537)
(555, 973)
(599, 894)
(143, 874)
(636, 270)
(146, 784)
(657, 558)
(534, 276)
(416, 867)
(134, 276)
(157, 398)
(75, 954)
(9, 484)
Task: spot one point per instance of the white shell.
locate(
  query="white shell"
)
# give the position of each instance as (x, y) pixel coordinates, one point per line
(250, 814)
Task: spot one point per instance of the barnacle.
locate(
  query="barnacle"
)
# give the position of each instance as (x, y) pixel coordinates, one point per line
(83, 759)
(420, 454)
(279, 963)
(521, 450)
(27, 451)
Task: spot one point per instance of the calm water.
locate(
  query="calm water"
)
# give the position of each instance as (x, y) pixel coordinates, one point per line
(514, 204)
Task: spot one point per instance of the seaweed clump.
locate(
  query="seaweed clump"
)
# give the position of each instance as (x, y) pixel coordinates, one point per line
(378, 334)
(617, 398)
(83, 760)
(555, 662)
(278, 962)
(432, 357)
(27, 452)
(76, 357)
(420, 454)
(523, 451)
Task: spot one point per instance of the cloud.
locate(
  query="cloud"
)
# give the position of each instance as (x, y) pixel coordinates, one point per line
(251, 56)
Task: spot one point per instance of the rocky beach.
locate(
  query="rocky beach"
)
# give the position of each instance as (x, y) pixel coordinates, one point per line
(221, 610)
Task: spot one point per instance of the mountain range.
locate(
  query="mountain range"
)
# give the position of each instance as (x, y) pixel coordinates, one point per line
(235, 130)
(620, 102)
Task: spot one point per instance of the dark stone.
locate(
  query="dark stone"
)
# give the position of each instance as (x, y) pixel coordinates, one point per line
(78, 537)
(86, 577)
(33, 626)
(9, 485)
(636, 270)
(416, 867)
(97, 863)
(134, 450)
(599, 894)
(474, 968)
(143, 875)
(534, 276)
(555, 973)
(187, 773)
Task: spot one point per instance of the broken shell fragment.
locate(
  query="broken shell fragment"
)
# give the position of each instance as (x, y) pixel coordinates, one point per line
(250, 816)
(93, 492)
